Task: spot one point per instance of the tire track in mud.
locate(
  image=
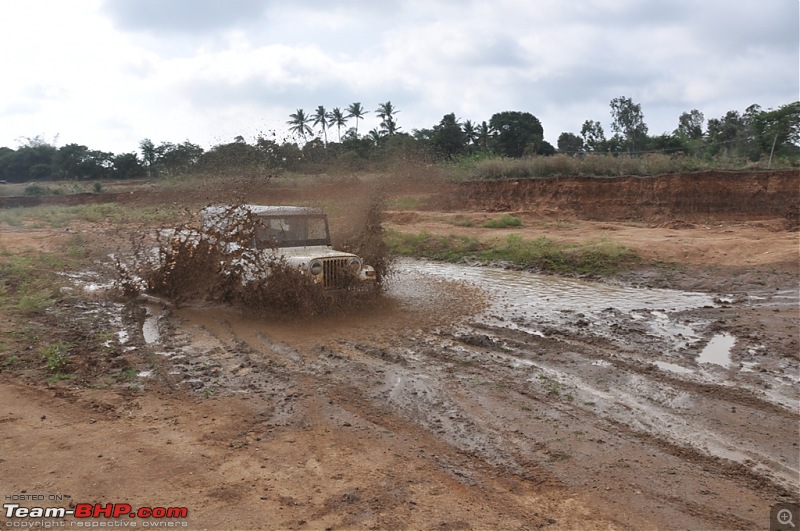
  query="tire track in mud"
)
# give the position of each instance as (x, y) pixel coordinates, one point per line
(330, 370)
(662, 393)
(505, 402)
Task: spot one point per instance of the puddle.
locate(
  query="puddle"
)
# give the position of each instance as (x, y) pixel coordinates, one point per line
(749, 366)
(671, 367)
(150, 326)
(525, 301)
(718, 350)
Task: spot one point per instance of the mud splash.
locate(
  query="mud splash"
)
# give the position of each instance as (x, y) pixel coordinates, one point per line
(217, 264)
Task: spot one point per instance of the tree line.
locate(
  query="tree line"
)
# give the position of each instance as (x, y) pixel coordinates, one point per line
(753, 135)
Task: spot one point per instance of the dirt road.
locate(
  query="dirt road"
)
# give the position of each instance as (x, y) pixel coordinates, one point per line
(464, 398)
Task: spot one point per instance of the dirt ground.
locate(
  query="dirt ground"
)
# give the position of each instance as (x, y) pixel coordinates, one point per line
(462, 398)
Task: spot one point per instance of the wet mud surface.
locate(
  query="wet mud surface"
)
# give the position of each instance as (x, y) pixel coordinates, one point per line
(659, 405)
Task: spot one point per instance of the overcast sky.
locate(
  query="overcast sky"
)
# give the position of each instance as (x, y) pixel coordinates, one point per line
(108, 73)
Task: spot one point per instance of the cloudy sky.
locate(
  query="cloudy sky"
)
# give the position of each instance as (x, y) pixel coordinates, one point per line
(108, 73)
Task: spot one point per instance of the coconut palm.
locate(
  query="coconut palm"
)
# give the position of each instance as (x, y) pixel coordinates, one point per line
(337, 118)
(483, 136)
(386, 111)
(299, 123)
(321, 119)
(470, 132)
(356, 111)
(376, 136)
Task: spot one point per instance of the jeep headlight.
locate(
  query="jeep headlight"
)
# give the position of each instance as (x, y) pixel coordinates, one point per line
(354, 264)
(315, 267)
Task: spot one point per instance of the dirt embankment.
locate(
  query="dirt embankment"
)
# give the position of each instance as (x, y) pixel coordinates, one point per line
(732, 196)
(723, 196)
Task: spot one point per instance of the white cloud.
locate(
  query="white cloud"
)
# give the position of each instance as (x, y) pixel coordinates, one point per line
(109, 73)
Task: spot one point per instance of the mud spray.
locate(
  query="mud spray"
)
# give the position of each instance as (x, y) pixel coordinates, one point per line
(186, 263)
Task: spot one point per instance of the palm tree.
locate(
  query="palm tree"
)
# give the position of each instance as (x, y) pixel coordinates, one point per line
(299, 123)
(337, 118)
(387, 111)
(356, 111)
(321, 118)
(470, 132)
(389, 125)
(375, 135)
(483, 136)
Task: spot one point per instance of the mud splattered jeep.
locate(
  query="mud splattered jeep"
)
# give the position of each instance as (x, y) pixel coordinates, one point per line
(297, 235)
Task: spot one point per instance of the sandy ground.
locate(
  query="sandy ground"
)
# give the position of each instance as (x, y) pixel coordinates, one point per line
(452, 402)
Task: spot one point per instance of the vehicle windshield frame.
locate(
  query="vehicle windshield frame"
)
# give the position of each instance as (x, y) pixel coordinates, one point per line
(263, 220)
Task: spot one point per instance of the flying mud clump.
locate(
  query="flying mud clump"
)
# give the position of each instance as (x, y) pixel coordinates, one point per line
(273, 260)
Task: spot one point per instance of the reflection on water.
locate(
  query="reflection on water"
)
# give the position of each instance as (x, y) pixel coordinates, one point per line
(530, 292)
(718, 350)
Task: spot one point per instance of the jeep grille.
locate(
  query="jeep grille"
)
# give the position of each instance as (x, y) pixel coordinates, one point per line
(334, 272)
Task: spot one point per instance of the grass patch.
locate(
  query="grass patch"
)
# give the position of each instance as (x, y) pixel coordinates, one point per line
(406, 202)
(29, 284)
(58, 216)
(591, 165)
(505, 222)
(426, 245)
(56, 356)
(593, 258)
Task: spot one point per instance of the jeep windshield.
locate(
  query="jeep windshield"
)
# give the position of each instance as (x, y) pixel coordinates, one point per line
(291, 231)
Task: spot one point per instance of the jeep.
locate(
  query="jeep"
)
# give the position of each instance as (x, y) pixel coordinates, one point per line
(298, 235)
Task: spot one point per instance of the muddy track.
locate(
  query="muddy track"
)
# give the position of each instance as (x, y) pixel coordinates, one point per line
(577, 403)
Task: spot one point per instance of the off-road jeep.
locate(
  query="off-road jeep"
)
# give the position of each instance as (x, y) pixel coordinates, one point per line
(297, 235)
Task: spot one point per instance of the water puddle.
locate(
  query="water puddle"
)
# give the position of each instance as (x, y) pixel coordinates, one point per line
(150, 325)
(718, 350)
(671, 367)
(530, 302)
(527, 293)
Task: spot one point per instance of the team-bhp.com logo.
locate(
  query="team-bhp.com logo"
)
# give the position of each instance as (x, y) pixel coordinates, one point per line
(91, 515)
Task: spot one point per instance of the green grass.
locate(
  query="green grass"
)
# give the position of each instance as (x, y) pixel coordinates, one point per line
(426, 245)
(504, 222)
(29, 284)
(56, 356)
(406, 202)
(58, 216)
(594, 257)
(592, 165)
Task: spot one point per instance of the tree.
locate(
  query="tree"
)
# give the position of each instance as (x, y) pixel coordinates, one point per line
(356, 111)
(79, 162)
(338, 119)
(778, 131)
(182, 158)
(148, 150)
(515, 133)
(127, 166)
(470, 132)
(386, 112)
(299, 124)
(570, 144)
(320, 118)
(690, 125)
(483, 136)
(593, 135)
(448, 138)
(726, 134)
(628, 120)
(376, 136)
